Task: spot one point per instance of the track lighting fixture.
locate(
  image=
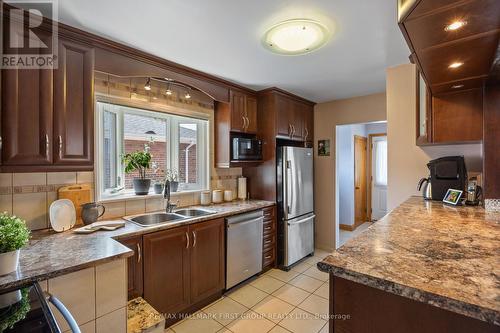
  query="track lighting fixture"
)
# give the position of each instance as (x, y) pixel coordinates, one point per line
(147, 86)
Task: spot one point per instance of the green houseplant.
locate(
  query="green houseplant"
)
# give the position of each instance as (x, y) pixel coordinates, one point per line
(13, 236)
(139, 161)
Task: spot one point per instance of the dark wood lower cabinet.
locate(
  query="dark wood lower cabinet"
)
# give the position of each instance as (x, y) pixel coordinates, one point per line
(184, 267)
(166, 270)
(269, 239)
(207, 259)
(135, 278)
(373, 310)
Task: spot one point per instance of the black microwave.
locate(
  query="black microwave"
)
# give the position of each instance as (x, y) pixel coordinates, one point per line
(246, 149)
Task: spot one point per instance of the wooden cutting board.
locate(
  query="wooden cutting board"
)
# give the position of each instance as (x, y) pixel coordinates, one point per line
(79, 194)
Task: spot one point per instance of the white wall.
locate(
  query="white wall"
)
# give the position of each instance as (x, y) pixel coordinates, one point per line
(407, 161)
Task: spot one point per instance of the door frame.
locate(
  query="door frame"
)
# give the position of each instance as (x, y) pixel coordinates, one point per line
(369, 174)
(355, 137)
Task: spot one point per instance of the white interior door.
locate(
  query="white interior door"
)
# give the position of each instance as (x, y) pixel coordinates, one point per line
(379, 175)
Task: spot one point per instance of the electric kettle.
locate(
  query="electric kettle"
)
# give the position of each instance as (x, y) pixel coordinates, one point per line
(425, 185)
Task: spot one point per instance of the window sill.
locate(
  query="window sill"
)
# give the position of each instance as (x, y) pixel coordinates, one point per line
(128, 196)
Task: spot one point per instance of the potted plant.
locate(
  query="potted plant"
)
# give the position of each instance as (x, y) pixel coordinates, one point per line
(13, 236)
(159, 182)
(172, 176)
(158, 187)
(139, 161)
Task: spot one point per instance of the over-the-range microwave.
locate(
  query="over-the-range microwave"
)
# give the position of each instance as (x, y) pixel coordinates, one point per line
(246, 149)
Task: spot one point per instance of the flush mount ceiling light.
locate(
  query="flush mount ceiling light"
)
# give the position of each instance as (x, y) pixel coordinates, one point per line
(455, 64)
(295, 37)
(455, 25)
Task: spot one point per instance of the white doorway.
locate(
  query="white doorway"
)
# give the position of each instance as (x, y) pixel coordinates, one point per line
(377, 193)
(374, 181)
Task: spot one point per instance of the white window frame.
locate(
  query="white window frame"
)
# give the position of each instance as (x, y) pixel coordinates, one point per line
(172, 153)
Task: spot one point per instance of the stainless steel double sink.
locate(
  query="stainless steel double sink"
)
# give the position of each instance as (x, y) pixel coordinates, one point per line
(146, 220)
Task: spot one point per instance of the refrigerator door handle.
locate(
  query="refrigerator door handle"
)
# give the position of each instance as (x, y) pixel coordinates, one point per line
(306, 219)
(288, 185)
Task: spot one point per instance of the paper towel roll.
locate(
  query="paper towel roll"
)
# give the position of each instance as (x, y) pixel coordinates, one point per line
(242, 188)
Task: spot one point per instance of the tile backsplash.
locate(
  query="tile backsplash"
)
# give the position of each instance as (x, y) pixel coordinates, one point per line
(29, 195)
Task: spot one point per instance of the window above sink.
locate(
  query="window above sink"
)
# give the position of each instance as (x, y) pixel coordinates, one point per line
(175, 143)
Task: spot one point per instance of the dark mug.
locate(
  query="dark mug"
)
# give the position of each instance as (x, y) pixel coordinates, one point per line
(90, 212)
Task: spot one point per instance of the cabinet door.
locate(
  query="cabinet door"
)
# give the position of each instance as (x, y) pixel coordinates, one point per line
(297, 121)
(207, 259)
(74, 105)
(285, 115)
(135, 277)
(251, 114)
(307, 122)
(166, 269)
(423, 112)
(26, 117)
(238, 123)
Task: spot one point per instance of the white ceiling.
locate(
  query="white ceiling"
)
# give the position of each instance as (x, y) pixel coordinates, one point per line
(223, 38)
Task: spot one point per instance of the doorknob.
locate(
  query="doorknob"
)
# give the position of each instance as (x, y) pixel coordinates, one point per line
(357, 187)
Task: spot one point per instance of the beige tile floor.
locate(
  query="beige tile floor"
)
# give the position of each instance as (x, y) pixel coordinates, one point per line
(275, 302)
(345, 235)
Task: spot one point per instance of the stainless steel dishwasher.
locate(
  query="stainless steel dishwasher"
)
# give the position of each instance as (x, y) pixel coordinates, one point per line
(244, 247)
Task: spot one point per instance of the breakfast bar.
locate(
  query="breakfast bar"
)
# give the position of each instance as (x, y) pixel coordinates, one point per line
(424, 266)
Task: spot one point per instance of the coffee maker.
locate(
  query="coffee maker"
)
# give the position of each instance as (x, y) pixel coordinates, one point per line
(445, 173)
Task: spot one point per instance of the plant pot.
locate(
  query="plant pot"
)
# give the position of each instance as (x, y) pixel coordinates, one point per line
(141, 186)
(158, 188)
(9, 262)
(174, 186)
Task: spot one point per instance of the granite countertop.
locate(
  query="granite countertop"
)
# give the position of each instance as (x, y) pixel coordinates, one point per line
(441, 255)
(52, 254)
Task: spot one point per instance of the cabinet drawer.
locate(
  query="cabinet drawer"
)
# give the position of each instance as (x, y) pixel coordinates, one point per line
(269, 227)
(269, 213)
(269, 241)
(268, 258)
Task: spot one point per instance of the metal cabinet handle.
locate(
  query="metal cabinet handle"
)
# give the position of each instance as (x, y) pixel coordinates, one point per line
(47, 144)
(60, 147)
(187, 240)
(139, 255)
(293, 133)
(194, 239)
(307, 134)
(290, 130)
(1, 143)
(267, 228)
(267, 241)
(267, 257)
(248, 122)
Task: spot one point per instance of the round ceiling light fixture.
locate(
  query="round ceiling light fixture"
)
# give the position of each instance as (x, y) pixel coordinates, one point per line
(295, 37)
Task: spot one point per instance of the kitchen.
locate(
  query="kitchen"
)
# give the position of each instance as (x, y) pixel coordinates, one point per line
(217, 206)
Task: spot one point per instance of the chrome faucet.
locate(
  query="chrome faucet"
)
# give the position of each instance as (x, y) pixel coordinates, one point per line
(166, 195)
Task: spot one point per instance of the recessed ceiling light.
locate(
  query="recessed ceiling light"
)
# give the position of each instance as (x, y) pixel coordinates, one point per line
(455, 64)
(187, 96)
(455, 25)
(297, 36)
(457, 86)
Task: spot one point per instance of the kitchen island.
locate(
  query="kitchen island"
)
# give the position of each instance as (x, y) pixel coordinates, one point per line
(424, 267)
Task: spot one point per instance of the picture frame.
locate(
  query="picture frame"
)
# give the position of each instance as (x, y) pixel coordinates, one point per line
(323, 147)
(452, 196)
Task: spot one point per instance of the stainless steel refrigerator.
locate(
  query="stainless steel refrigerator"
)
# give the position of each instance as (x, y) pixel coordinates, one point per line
(295, 197)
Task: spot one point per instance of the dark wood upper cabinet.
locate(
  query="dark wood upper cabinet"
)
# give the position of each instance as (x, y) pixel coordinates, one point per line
(238, 117)
(458, 117)
(435, 47)
(135, 270)
(166, 269)
(293, 118)
(74, 104)
(243, 109)
(251, 114)
(207, 259)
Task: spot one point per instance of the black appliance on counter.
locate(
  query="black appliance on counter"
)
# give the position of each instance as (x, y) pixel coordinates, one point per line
(26, 309)
(246, 149)
(445, 173)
